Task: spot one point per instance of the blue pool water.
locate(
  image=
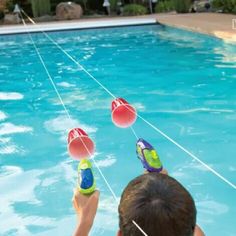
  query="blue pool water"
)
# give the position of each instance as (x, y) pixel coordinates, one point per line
(182, 82)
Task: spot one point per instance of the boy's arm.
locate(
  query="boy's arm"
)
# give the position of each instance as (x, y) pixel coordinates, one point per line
(82, 229)
(86, 208)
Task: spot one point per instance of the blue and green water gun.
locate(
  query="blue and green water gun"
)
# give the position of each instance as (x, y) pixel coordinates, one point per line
(87, 183)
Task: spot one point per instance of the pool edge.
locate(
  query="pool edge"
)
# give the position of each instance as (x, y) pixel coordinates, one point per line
(68, 26)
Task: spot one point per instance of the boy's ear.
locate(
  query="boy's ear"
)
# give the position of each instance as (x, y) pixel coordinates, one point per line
(119, 233)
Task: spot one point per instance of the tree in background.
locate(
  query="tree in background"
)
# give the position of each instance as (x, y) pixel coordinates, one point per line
(31, 7)
(165, 6)
(227, 6)
(182, 6)
(41, 7)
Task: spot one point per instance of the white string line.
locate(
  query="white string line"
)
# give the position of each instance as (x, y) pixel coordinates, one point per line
(189, 153)
(67, 112)
(58, 94)
(141, 230)
(147, 122)
(77, 63)
(135, 134)
(69, 56)
(46, 70)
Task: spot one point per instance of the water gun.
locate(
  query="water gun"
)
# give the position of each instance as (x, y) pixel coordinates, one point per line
(148, 156)
(87, 183)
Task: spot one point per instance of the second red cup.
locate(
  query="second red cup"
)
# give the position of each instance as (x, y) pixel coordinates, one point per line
(123, 114)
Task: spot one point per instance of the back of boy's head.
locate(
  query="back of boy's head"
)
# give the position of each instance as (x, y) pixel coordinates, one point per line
(159, 204)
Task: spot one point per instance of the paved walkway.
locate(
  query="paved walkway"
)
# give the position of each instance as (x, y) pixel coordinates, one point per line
(219, 25)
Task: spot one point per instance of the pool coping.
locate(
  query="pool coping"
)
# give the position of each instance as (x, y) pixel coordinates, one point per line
(77, 25)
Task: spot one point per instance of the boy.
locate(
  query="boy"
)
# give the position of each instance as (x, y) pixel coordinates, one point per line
(158, 203)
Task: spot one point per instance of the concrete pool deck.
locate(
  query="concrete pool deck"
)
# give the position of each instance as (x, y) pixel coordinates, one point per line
(216, 24)
(219, 25)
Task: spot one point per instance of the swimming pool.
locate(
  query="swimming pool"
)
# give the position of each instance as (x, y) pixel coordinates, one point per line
(182, 82)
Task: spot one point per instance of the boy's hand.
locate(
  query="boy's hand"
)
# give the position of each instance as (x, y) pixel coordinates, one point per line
(86, 208)
(164, 172)
(198, 231)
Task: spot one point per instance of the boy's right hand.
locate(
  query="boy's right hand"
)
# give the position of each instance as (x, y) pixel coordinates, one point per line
(86, 208)
(198, 231)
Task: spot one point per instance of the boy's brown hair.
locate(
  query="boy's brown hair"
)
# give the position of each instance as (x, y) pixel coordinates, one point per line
(159, 204)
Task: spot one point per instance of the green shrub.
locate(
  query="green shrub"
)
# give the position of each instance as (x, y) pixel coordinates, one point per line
(40, 7)
(134, 10)
(182, 6)
(165, 6)
(113, 4)
(227, 6)
(217, 3)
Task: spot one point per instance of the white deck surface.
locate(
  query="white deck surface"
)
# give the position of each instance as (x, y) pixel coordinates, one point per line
(79, 24)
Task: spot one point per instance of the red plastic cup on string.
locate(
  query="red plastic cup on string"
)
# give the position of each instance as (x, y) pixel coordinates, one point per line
(123, 114)
(80, 146)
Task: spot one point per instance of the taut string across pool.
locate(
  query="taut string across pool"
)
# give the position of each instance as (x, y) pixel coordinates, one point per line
(109, 92)
(100, 164)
